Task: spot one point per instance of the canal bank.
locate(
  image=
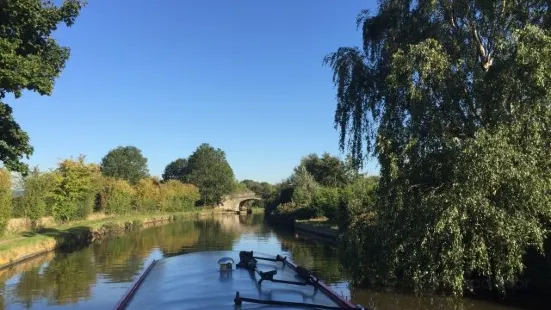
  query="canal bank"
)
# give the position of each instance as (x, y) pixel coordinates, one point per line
(79, 234)
(316, 227)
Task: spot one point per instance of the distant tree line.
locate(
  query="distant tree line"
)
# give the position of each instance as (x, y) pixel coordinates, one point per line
(119, 184)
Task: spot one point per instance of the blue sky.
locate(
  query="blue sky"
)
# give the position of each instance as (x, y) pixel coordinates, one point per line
(245, 76)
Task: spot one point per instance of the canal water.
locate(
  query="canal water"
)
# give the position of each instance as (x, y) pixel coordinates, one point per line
(97, 276)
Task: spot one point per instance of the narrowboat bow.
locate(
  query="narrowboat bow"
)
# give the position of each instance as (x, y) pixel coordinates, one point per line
(210, 280)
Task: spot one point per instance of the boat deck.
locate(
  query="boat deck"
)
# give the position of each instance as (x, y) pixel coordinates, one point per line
(194, 281)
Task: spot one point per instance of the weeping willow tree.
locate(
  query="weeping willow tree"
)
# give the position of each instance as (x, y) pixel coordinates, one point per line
(453, 98)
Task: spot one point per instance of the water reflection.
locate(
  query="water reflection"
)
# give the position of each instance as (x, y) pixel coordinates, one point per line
(392, 301)
(66, 279)
(97, 276)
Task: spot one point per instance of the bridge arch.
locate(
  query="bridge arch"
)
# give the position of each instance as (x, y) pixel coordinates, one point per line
(242, 202)
(235, 202)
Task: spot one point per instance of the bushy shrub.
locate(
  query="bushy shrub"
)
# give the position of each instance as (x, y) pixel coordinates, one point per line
(77, 186)
(292, 211)
(326, 201)
(296, 197)
(5, 199)
(147, 195)
(17, 210)
(116, 196)
(39, 192)
(177, 196)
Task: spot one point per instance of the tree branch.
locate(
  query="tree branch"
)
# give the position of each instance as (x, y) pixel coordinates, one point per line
(486, 60)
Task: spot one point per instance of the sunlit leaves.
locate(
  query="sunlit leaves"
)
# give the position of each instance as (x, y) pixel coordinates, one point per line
(30, 59)
(5, 199)
(177, 196)
(77, 183)
(148, 195)
(38, 194)
(116, 196)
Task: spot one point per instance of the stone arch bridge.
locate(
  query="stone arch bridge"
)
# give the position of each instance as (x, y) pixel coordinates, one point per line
(235, 202)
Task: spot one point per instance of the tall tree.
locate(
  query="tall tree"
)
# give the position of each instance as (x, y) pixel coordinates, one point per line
(125, 162)
(454, 99)
(176, 170)
(211, 173)
(30, 59)
(327, 170)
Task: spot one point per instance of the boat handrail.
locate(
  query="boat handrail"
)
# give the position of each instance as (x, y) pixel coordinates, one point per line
(123, 302)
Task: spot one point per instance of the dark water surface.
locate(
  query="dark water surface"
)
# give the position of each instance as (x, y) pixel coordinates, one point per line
(97, 276)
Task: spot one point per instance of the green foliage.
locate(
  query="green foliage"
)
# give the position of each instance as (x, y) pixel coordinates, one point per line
(312, 190)
(304, 186)
(125, 162)
(147, 195)
(176, 170)
(328, 170)
(211, 173)
(30, 59)
(326, 201)
(295, 199)
(289, 211)
(177, 196)
(5, 199)
(240, 187)
(15, 141)
(77, 186)
(38, 196)
(360, 244)
(357, 198)
(282, 194)
(454, 99)
(116, 196)
(263, 189)
(17, 207)
(303, 197)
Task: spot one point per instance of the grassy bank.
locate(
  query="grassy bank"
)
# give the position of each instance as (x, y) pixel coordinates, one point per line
(22, 246)
(319, 226)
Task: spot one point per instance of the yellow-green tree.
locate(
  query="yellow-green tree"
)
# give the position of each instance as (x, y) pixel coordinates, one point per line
(116, 196)
(177, 196)
(77, 186)
(5, 199)
(147, 195)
